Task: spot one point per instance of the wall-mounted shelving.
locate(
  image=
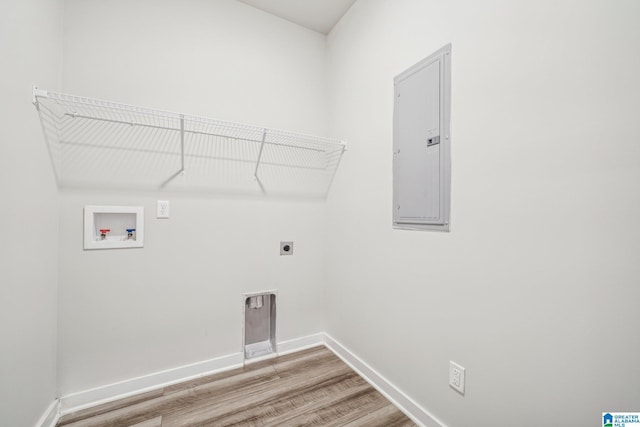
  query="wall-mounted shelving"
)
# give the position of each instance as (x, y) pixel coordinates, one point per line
(101, 144)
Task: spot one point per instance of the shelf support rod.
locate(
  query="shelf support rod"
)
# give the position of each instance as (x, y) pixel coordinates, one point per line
(181, 142)
(264, 137)
(333, 175)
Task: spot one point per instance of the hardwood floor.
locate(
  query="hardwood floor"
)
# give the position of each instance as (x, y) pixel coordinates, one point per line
(308, 388)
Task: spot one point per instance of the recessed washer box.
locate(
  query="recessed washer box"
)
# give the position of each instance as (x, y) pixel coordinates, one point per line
(113, 227)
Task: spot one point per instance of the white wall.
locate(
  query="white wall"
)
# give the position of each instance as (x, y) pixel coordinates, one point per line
(218, 59)
(535, 289)
(30, 43)
(125, 313)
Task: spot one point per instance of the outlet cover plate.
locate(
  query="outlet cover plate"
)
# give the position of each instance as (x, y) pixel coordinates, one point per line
(162, 209)
(456, 377)
(286, 248)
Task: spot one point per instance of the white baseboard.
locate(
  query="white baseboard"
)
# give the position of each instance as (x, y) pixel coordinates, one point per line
(110, 392)
(50, 417)
(302, 343)
(407, 405)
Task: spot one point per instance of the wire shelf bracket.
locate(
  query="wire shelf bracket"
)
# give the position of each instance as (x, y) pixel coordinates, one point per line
(96, 143)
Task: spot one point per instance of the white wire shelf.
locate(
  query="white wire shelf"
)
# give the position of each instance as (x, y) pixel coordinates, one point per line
(94, 143)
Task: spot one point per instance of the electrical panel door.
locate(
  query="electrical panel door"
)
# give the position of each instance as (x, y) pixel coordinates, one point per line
(422, 144)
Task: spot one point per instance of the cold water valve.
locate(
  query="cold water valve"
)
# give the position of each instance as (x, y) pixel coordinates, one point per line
(130, 232)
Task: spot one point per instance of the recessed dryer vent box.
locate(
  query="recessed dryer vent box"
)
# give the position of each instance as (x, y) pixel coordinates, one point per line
(259, 338)
(112, 227)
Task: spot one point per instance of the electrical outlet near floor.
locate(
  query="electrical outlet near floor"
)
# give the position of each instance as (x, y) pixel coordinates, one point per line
(456, 377)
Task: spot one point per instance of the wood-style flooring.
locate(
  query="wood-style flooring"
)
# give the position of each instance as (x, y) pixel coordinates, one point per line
(308, 388)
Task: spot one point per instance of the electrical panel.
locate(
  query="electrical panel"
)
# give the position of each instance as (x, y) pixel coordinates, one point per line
(422, 144)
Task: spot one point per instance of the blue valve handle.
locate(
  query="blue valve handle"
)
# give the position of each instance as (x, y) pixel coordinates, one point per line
(130, 230)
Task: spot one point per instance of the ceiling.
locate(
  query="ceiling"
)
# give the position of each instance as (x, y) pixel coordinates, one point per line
(316, 15)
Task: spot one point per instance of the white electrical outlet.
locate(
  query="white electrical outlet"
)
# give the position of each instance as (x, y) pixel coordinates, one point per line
(456, 377)
(163, 209)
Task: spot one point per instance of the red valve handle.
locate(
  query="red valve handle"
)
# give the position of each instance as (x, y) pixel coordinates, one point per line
(105, 230)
